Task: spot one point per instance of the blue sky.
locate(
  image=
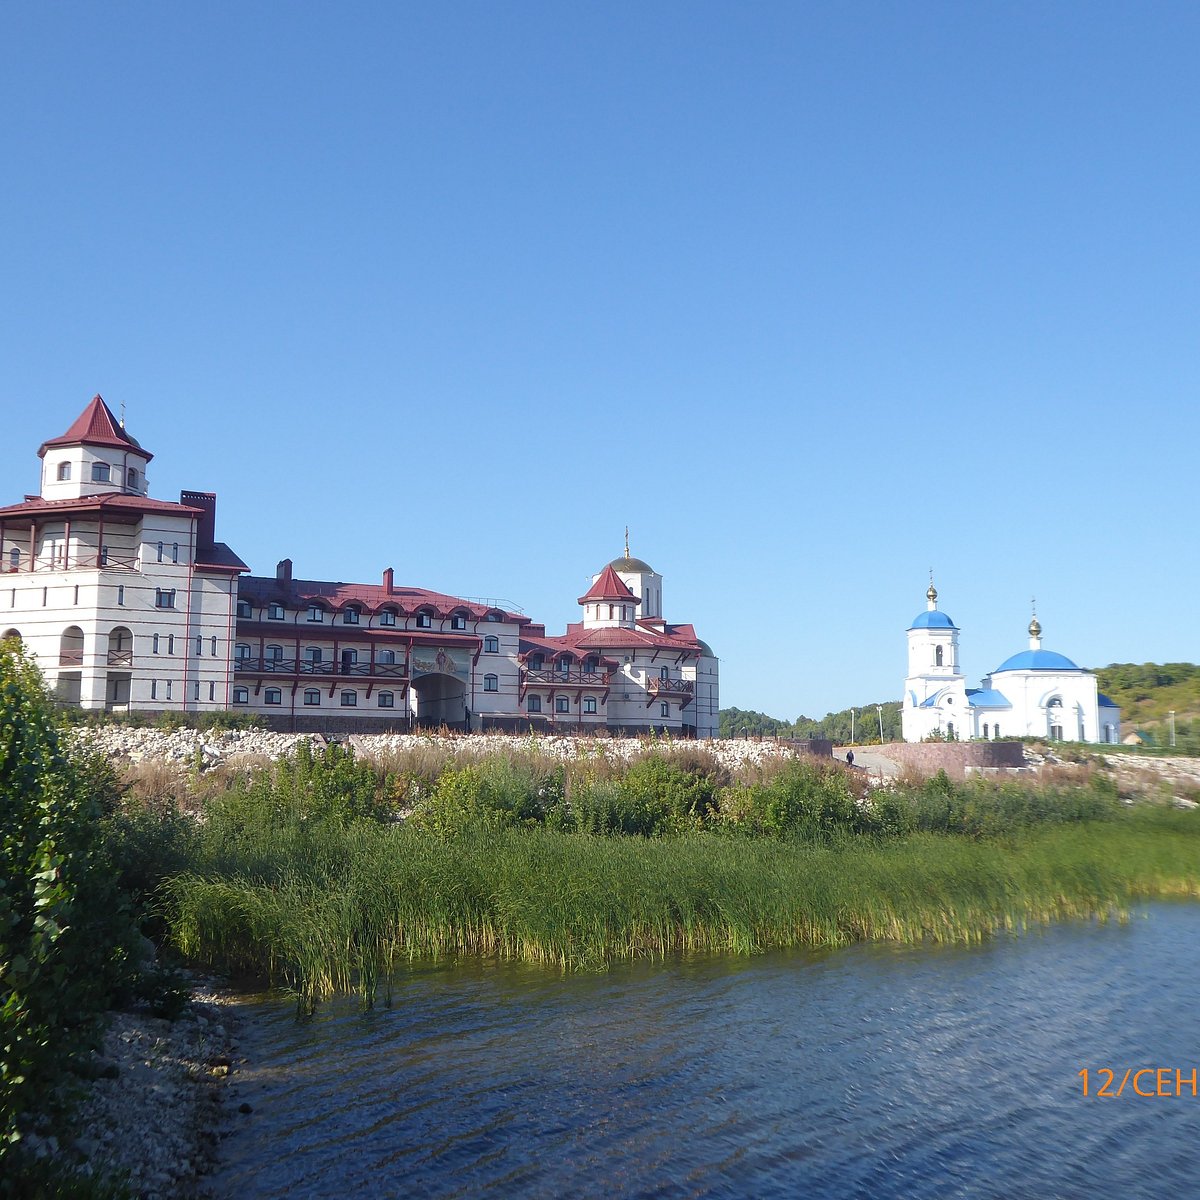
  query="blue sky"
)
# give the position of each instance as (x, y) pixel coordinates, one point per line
(812, 297)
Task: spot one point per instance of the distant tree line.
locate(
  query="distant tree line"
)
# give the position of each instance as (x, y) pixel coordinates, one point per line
(1147, 693)
(860, 724)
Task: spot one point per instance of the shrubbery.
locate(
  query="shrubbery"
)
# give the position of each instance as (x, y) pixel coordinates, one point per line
(65, 931)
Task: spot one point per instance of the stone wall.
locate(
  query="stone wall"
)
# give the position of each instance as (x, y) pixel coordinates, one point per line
(957, 759)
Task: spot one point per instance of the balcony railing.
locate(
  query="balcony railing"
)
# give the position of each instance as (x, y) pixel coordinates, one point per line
(120, 658)
(70, 658)
(90, 561)
(566, 678)
(672, 687)
(324, 666)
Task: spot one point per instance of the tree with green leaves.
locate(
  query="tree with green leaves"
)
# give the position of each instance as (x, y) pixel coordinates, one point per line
(64, 930)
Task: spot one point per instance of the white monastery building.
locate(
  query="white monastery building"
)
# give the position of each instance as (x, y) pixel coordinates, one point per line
(1035, 692)
(129, 603)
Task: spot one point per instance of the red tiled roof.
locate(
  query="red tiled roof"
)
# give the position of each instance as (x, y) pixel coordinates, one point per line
(372, 596)
(608, 586)
(579, 640)
(118, 503)
(96, 426)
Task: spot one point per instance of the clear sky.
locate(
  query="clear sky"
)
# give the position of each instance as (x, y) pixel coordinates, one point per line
(813, 297)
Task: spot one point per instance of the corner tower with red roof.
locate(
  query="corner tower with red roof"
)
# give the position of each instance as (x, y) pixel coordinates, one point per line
(126, 601)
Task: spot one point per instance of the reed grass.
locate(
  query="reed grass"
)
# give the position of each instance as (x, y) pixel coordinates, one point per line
(333, 907)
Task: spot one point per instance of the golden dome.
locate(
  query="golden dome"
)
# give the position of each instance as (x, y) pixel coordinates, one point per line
(1035, 628)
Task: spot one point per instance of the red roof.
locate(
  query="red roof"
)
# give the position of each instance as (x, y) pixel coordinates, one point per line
(117, 504)
(608, 586)
(678, 638)
(371, 596)
(96, 426)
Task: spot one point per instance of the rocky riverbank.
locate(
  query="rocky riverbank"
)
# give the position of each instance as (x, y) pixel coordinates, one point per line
(158, 1101)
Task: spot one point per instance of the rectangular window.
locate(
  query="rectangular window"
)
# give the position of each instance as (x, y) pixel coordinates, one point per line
(312, 696)
(562, 704)
(156, 643)
(387, 700)
(316, 612)
(199, 647)
(241, 695)
(121, 594)
(273, 696)
(275, 612)
(99, 472)
(387, 617)
(535, 704)
(175, 552)
(212, 646)
(244, 610)
(170, 643)
(154, 689)
(349, 699)
(589, 704)
(104, 556)
(168, 689)
(665, 710)
(160, 550)
(212, 691)
(423, 621)
(164, 597)
(350, 616)
(196, 690)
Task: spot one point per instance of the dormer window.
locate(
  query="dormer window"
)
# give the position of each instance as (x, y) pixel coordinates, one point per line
(564, 666)
(350, 616)
(244, 610)
(316, 612)
(387, 617)
(423, 620)
(458, 621)
(100, 472)
(275, 611)
(64, 471)
(536, 662)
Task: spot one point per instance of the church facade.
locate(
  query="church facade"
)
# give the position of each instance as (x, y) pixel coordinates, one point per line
(1033, 693)
(130, 603)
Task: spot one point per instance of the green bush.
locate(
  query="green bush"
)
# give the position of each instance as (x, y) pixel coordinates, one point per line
(807, 799)
(65, 931)
(495, 794)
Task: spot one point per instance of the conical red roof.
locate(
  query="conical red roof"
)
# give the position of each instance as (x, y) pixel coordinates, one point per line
(608, 586)
(96, 426)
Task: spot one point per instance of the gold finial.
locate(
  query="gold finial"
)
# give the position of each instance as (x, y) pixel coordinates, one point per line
(626, 541)
(931, 595)
(1035, 626)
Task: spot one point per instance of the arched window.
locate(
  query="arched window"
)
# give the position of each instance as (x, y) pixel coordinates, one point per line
(64, 471)
(534, 704)
(312, 696)
(664, 673)
(386, 657)
(14, 559)
(212, 646)
(937, 656)
(562, 704)
(985, 731)
(99, 472)
(131, 479)
(491, 645)
(387, 700)
(241, 651)
(349, 699)
(564, 665)
(491, 683)
(241, 695)
(13, 635)
(950, 730)
(273, 653)
(273, 696)
(155, 643)
(589, 704)
(995, 732)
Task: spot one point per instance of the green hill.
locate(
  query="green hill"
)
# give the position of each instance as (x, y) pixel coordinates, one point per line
(837, 727)
(1148, 692)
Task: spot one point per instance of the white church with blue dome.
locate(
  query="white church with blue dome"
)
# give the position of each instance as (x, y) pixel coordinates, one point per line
(1035, 692)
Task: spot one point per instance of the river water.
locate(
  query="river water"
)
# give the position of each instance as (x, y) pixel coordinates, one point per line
(876, 1071)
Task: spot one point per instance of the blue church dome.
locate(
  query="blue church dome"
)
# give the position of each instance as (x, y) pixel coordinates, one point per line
(1037, 660)
(932, 619)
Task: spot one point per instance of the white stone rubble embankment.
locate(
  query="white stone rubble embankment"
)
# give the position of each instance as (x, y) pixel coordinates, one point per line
(156, 1111)
(209, 748)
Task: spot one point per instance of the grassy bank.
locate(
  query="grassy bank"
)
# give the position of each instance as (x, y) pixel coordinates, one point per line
(332, 908)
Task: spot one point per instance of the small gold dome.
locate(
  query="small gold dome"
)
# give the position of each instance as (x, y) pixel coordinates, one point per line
(1035, 628)
(931, 595)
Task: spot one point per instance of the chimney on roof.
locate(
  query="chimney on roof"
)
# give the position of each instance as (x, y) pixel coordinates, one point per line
(283, 571)
(206, 523)
(388, 577)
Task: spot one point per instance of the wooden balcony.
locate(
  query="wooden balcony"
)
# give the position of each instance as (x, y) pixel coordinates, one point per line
(120, 658)
(70, 658)
(89, 561)
(564, 679)
(670, 687)
(319, 667)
